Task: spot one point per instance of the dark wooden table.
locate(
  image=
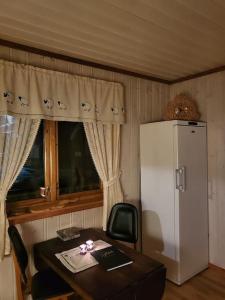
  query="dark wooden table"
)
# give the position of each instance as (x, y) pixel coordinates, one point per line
(142, 280)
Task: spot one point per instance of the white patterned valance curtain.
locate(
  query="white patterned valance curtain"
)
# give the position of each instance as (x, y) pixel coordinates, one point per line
(36, 93)
(104, 144)
(17, 136)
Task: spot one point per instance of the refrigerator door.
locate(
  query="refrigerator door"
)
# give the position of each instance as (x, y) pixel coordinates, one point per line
(157, 193)
(191, 208)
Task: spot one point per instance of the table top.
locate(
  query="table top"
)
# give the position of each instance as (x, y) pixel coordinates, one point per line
(96, 283)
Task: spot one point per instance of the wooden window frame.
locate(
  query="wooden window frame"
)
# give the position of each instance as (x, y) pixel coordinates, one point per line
(54, 204)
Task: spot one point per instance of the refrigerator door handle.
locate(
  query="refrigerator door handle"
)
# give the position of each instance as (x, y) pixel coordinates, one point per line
(181, 179)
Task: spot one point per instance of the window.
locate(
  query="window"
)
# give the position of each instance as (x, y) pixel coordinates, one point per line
(58, 177)
(76, 169)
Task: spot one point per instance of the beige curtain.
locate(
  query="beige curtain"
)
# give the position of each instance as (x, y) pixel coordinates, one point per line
(17, 136)
(104, 144)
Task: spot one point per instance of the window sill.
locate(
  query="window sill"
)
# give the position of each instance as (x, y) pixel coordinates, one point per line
(47, 209)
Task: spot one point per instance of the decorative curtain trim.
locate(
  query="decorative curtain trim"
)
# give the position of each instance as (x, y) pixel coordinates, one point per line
(36, 93)
(104, 144)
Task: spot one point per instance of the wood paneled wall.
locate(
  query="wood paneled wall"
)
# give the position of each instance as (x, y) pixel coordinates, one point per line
(145, 102)
(209, 92)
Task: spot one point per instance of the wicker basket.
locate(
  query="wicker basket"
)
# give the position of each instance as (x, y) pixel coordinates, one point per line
(182, 107)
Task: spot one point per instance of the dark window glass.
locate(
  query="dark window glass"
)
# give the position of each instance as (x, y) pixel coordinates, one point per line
(31, 178)
(76, 169)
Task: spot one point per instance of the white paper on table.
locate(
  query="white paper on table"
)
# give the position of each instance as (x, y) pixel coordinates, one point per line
(76, 262)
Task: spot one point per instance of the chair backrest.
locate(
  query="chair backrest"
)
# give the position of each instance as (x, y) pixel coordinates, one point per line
(123, 223)
(20, 251)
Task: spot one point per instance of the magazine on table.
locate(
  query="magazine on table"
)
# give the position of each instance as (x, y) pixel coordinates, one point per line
(75, 262)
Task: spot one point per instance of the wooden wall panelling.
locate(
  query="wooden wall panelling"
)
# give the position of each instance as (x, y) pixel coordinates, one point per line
(64, 221)
(128, 143)
(52, 224)
(5, 53)
(144, 102)
(77, 219)
(7, 280)
(209, 92)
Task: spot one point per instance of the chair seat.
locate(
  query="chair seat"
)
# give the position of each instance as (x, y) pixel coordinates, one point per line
(47, 284)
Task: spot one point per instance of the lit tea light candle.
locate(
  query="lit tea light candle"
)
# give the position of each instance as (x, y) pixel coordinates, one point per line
(90, 245)
(83, 249)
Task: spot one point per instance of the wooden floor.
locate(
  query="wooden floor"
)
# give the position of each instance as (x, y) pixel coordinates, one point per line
(208, 285)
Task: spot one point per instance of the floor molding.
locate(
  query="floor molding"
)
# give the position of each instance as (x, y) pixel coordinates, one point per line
(212, 266)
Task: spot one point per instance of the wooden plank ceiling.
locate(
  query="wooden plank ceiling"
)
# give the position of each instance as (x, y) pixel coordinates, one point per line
(168, 39)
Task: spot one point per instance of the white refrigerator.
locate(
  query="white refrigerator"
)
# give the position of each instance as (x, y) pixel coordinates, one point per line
(174, 196)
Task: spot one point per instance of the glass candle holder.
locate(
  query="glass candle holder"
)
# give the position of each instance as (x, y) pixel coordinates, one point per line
(90, 245)
(83, 249)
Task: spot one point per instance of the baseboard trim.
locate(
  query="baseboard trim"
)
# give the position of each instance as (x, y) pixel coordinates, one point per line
(212, 266)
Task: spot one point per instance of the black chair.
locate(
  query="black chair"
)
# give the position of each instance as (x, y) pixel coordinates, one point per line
(45, 284)
(123, 223)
